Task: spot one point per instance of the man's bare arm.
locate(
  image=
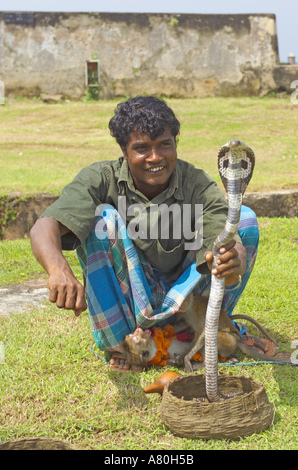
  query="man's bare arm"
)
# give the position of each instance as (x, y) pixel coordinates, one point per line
(65, 290)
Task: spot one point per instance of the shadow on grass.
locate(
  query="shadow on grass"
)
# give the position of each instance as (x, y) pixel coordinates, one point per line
(130, 391)
(286, 377)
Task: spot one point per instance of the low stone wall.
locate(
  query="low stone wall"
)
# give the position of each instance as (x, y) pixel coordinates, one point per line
(284, 76)
(17, 215)
(283, 203)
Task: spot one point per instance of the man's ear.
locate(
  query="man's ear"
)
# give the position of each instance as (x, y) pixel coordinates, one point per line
(124, 153)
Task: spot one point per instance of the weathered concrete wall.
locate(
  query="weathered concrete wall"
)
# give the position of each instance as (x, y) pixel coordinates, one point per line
(163, 54)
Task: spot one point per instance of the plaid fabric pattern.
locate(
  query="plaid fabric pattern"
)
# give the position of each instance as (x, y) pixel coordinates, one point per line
(125, 292)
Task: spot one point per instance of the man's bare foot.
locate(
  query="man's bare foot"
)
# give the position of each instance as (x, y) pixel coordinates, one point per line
(263, 345)
(118, 363)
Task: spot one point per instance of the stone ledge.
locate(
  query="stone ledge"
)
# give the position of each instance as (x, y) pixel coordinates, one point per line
(283, 203)
(25, 212)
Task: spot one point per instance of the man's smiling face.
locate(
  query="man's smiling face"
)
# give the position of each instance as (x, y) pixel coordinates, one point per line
(151, 162)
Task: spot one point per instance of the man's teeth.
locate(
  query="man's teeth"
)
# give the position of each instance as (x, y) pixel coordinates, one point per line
(156, 169)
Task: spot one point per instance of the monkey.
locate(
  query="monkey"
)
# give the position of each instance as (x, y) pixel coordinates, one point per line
(137, 347)
(193, 312)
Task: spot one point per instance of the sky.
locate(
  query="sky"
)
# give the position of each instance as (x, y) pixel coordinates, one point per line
(286, 12)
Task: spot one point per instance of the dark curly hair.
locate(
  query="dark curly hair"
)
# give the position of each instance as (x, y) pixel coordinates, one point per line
(146, 114)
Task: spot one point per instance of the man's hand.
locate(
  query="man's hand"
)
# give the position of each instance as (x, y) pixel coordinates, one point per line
(231, 262)
(66, 291)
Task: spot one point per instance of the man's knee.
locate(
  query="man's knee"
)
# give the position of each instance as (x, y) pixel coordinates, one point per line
(248, 227)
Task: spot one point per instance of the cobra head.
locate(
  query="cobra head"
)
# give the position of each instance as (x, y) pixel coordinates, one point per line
(236, 154)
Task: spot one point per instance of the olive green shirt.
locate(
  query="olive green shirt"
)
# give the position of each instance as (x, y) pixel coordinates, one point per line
(103, 182)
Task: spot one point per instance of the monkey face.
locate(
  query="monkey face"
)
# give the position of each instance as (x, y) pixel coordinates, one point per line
(136, 347)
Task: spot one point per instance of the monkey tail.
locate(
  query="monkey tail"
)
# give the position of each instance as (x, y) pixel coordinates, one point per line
(255, 322)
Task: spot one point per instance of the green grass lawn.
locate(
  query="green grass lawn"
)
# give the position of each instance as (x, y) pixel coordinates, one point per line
(43, 146)
(52, 385)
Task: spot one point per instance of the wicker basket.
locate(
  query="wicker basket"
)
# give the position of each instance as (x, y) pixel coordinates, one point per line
(36, 443)
(243, 410)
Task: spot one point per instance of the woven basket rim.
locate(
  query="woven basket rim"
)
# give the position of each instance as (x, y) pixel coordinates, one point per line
(257, 387)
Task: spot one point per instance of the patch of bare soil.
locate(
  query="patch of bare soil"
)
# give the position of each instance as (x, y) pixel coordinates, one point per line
(19, 298)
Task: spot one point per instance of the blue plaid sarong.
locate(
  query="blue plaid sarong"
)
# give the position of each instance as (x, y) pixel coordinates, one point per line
(125, 292)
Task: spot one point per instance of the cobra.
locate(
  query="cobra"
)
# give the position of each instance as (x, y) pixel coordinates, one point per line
(235, 164)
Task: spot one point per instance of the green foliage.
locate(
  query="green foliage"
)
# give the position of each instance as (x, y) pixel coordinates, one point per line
(92, 94)
(6, 214)
(173, 22)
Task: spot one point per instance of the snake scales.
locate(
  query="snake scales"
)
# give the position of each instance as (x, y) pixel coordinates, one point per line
(235, 163)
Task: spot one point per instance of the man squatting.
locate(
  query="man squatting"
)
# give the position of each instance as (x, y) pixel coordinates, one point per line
(133, 282)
